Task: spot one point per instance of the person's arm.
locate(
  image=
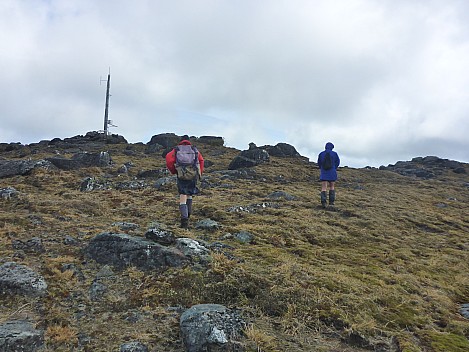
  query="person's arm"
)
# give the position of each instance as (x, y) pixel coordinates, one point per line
(319, 160)
(201, 163)
(337, 163)
(171, 161)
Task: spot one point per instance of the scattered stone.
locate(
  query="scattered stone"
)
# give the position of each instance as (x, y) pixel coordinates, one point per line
(211, 327)
(160, 235)
(152, 173)
(91, 184)
(8, 193)
(207, 224)
(253, 208)
(464, 310)
(19, 279)
(20, 335)
(126, 226)
(105, 272)
(32, 245)
(191, 248)
(244, 237)
(164, 181)
(281, 194)
(70, 241)
(97, 291)
(122, 250)
(133, 346)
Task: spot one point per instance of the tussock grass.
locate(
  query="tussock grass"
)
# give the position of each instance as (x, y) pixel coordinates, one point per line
(390, 262)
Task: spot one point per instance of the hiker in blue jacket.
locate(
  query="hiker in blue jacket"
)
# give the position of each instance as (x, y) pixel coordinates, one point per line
(328, 162)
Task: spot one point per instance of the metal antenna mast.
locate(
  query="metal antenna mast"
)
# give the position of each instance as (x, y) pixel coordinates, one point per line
(106, 109)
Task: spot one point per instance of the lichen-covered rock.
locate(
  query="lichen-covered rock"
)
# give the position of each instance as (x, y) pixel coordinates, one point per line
(19, 279)
(211, 327)
(122, 250)
(20, 336)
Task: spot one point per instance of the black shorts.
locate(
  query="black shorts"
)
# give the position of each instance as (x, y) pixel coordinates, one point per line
(187, 187)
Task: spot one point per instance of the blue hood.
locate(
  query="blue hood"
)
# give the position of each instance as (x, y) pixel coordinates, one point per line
(329, 146)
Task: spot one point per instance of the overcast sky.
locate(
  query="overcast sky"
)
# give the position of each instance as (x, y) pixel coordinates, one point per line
(384, 80)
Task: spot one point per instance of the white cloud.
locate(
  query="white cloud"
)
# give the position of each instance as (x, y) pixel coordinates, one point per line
(382, 80)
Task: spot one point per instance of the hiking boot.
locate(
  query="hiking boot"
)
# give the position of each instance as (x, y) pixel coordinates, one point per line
(331, 198)
(184, 223)
(323, 199)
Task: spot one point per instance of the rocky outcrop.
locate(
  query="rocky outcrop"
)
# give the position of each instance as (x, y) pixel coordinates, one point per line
(9, 168)
(18, 279)
(281, 150)
(212, 140)
(122, 251)
(166, 140)
(249, 158)
(80, 160)
(211, 327)
(20, 336)
(425, 167)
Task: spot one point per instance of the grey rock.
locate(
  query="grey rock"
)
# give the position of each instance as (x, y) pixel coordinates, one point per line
(212, 140)
(97, 291)
(84, 159)
(244, 237)
(19, 279)
(8, 193)
(166, 140)
(281, 194)
(249, 158)
(10, 168)
(121, 251)
(32, 245)
(126, 226)
(191, 248)
(211, 327)
(207, 224)
(20, 336)
(164, 181)
(133, 346)
(160, 235)
(464, 310)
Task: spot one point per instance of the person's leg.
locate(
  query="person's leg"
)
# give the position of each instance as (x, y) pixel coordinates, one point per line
(331, 193)
(189, 206)
(324, 194)
(183, 210)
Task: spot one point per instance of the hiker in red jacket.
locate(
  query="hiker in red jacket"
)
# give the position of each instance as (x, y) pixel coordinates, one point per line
(188, 164)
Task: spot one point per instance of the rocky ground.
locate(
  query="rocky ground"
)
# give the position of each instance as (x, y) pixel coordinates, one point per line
(92, 257)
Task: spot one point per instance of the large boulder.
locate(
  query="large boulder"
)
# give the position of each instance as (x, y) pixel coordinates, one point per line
(249, 158)
(282, 150)
(166, 140)
(122, 250)
(211, 327)
(212, 140)
(10, 168)
(79, 160)
(20, 335)
(20, 279)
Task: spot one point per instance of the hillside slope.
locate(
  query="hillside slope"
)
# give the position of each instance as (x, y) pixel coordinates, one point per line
(386, 270)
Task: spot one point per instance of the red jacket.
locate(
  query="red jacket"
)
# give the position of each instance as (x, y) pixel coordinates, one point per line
(171, 159)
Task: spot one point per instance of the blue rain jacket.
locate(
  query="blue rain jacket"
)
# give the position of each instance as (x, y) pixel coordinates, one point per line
(331, 174)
